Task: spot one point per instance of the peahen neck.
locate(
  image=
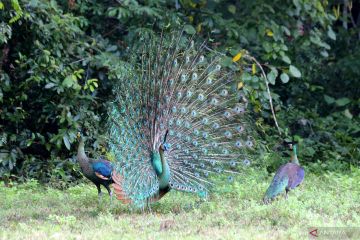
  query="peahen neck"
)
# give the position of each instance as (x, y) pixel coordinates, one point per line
(294, 158)
(81, 155)
(161, 168)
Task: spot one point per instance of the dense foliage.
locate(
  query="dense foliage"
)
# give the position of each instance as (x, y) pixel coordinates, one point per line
(59, 60)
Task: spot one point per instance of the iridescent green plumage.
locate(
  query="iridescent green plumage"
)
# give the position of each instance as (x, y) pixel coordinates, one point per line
(176, 86)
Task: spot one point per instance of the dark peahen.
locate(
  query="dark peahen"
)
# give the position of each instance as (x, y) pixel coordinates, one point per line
(287, 177)
(97, 171)
(178, 119)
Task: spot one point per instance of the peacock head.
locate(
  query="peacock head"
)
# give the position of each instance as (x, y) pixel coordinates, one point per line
(164, 146)
(80, 137)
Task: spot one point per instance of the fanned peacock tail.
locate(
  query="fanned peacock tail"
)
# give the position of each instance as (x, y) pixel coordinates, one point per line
(177, 86)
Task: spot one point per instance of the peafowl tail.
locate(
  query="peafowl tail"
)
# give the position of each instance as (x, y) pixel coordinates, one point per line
(174, 84)
(118, 189)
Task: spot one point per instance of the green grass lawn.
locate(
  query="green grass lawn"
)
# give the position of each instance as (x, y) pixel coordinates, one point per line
(235, 211)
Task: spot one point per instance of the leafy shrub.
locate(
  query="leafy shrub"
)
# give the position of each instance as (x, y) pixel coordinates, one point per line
(59, 60)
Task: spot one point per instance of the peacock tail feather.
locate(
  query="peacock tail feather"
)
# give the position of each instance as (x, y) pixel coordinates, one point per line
(181, 87)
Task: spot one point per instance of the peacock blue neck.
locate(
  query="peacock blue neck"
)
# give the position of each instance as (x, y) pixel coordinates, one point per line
(161, 168)
(294, 158)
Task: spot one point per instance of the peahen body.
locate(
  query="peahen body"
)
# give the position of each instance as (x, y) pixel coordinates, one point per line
(178, 118)
(97, 171)
(287, 177)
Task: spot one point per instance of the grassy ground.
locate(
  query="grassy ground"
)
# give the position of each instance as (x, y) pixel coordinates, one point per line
(30, 211)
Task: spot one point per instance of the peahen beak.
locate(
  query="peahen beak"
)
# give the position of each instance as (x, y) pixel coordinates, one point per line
(78, 135)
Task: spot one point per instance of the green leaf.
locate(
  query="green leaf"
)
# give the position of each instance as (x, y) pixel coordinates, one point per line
(68, 81)
(284, 78)
(286, 30)
(232, 8)
(331, 33)
(189, 29)
(112, 12)
(294, 71)
(50, 85)
(227, 61)
(342, 101)
(348, 114)
(254, 78)
(324, 53)
(329, 100)
(267, 47)
(246, 77)
(66, 142)
(286, 59)
(271, 76)
(273, 69)
(112, 48)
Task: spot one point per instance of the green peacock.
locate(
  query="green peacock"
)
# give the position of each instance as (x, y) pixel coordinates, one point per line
(98, 171)
(178, 119)
(287, 177)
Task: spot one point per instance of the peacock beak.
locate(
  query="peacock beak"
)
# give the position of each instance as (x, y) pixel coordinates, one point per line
(164, 147)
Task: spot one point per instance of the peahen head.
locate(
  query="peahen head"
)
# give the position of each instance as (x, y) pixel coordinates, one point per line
(294, 158)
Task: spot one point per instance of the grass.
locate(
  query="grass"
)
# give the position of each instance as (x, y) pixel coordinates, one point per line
(235, 211)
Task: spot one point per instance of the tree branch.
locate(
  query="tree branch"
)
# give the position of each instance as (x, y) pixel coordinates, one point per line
(268, 91)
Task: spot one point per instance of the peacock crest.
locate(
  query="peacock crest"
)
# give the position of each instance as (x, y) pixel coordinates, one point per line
(177, 94)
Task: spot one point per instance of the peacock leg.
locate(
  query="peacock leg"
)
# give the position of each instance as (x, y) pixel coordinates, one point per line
(99, 193)
(286, 193)
(110, 193)
(111, 197)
